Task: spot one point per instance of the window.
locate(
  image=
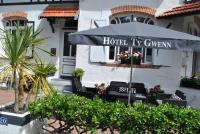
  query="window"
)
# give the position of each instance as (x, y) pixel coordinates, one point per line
(126, 18)
(71, 24)
(69, 50)
(11, 23)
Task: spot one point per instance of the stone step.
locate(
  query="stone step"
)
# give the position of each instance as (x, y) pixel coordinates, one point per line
(58, 81)
(61, 85)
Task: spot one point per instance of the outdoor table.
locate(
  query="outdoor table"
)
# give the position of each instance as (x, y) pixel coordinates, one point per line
(159, 101)
(138, 98)
(134, 97)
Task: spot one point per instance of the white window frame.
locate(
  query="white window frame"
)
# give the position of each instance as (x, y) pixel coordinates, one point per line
(133, 17)
(11, 27)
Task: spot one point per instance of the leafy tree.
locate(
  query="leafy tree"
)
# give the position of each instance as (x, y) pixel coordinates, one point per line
(39, 82)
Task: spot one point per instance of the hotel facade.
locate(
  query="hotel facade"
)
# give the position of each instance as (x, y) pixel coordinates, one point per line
(101, 63)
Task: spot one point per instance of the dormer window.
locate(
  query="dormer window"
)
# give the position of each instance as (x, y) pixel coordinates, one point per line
(10, 24)
(11, 19)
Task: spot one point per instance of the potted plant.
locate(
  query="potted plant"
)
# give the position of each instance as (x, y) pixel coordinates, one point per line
(18, 66)
(125, 57)
(137, 57)
(101, 88)
(77, 75)
(152, 95)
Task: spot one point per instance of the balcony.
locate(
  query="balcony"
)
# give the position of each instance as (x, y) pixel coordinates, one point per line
(31, 2)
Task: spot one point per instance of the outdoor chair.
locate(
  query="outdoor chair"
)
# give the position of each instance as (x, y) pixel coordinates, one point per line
(162, 96)
(180, 94)
(139, 90)
(118, 91)
(118, 86)
(178, 99)
(182, 103)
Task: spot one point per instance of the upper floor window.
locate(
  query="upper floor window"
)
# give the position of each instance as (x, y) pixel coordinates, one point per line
(12, 23)
(126, 18)
(11, 19)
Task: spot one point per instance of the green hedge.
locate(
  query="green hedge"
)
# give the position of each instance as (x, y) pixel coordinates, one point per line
(95, 114)
(190, 82)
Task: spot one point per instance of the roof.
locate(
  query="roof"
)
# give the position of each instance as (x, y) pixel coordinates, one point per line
(17, 14)
(59, 12)
(186, 9)
(133, 8)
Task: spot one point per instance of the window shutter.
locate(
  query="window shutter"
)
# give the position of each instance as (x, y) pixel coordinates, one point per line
(98, 53)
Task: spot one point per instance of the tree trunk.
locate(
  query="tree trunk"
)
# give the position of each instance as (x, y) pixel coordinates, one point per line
(16, 107)
(28, 98)
(21, 91)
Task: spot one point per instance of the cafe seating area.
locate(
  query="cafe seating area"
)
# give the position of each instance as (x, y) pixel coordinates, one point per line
(119, 91)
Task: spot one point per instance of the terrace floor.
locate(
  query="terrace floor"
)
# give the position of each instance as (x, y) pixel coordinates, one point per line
(193, 96)
(6, 96)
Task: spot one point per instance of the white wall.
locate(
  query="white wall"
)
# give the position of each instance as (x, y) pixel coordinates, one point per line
(166, 5)
(191, 27)
(168, 76)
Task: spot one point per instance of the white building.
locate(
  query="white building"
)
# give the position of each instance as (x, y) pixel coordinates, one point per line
(58, 18)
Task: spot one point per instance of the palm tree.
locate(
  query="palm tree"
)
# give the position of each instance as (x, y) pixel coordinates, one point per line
(39, 81)
(15, 46)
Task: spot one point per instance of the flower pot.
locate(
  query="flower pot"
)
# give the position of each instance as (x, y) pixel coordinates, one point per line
(12, 123)
(123, 61)
(128, 61)
(136, 61)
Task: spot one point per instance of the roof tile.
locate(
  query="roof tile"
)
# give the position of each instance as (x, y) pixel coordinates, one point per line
(17, 14)
(189, 8)
(133, 8)
(59, 11)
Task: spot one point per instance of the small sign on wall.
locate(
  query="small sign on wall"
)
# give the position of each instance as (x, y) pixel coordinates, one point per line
(3, 121)
(53, 51)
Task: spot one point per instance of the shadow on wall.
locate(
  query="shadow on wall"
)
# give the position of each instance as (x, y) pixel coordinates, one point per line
(53, 41)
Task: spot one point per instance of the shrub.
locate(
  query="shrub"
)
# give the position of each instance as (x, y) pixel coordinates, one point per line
(78, 72)
(91, 115)
(190, 82)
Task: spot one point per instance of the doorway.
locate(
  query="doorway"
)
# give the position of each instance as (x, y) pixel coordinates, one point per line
(67, 56)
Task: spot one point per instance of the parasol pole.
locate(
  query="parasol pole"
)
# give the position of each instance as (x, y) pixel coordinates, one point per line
(131, 72)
